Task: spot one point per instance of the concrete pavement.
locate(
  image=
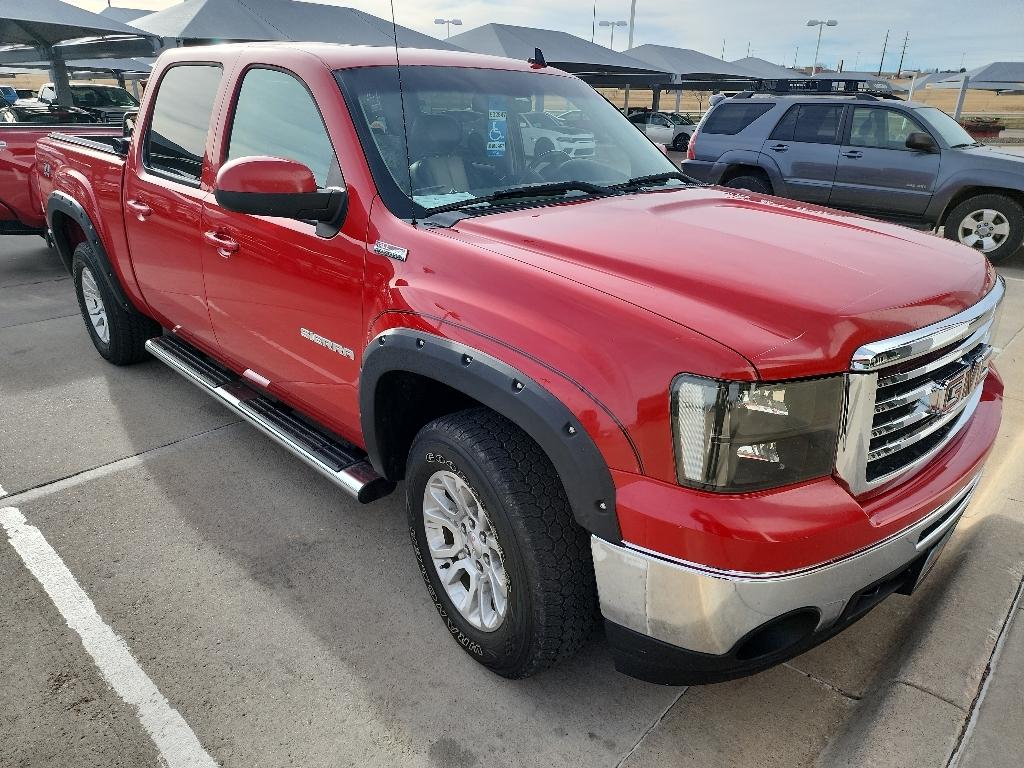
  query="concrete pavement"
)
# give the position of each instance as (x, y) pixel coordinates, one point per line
(288, 625)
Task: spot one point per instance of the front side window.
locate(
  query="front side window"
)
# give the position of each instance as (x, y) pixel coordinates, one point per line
(275, 116)
(473, 133)
(810, 123)
(176, 140)
(881, 128)
(949, 129)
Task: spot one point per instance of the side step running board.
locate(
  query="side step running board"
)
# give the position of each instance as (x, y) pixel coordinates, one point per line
(341, 462)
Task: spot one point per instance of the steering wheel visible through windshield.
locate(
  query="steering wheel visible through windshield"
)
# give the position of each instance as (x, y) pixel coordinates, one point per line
(479, 138)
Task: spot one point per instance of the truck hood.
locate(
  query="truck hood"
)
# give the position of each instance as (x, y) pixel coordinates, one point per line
(793, 288)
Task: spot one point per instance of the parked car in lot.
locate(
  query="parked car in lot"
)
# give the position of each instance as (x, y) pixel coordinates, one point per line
(661, 128)
(543, 133)
(107, 103)
(734, 424)
(34, 111)
(903, 161)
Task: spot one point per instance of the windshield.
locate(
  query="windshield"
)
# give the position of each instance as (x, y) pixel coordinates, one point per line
(89, 96)
(949, 129)
(481, 133)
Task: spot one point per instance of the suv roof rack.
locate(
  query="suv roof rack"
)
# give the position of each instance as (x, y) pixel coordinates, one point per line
(817, 86)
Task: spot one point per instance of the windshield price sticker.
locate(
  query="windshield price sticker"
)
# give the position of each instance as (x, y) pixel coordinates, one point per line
(497, 127)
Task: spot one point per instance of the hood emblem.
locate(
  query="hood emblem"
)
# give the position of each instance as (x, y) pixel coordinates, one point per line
(391, 251)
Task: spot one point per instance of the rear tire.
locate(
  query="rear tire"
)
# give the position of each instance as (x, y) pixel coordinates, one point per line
(535, 555)
(992, 224)
(751, 183)
(119, 335)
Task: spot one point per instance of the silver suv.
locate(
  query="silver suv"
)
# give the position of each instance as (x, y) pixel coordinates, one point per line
(897, 160)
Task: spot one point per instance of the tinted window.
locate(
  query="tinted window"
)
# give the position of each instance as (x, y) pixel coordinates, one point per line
(276, 116)
(176, 140)
(881, 128)
(813, 123)
(731, 117)
(949, 129)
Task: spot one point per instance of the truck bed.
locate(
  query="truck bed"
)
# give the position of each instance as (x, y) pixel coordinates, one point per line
(20, 208)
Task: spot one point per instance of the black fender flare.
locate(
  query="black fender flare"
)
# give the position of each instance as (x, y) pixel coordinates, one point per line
(64, 203)
(497, 385)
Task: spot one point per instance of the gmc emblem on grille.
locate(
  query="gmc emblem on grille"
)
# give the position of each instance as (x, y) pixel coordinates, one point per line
(951, 391)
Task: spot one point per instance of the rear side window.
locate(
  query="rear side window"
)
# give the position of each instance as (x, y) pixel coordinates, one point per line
(731, 117)
(176, 140)
(276, 116)
(811, 123)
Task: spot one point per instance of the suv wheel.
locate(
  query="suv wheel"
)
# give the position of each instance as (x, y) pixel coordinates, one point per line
(505, 564)
(752, 183)
(992, 224)
(119, 335)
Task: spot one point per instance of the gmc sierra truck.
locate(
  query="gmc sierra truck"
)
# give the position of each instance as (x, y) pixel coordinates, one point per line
(732, 423)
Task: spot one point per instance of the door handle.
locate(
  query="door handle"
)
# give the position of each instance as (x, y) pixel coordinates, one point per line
(779, 147)
(139, 209)
(225, 245)
(853, 154)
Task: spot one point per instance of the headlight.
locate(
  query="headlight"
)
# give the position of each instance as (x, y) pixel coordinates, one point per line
(746, 436)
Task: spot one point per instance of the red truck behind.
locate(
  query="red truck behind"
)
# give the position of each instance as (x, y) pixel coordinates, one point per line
(732, 422)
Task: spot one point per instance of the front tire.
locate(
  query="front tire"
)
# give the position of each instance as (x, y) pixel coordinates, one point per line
(504, 562)
(118, 334)
(992, 224)
(681, 142)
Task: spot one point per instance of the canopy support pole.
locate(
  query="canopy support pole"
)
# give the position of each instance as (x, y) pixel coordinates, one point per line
(655, 99)
(59, 73)
(679, 95)
(961, 97)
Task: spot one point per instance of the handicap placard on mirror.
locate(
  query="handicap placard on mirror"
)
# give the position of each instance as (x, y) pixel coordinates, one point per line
(497, 126)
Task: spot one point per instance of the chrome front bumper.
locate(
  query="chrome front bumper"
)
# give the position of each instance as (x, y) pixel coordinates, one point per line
(710, 611)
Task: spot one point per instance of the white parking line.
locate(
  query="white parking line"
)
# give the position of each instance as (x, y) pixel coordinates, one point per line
(174, 740)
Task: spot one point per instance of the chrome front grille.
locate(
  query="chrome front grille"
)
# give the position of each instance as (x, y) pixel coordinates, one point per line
(908, 396)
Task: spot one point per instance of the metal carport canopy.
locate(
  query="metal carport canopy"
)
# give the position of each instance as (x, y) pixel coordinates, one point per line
(201, 21)
(686, 64)
(597, 65)
(54, 31)
(997, 76)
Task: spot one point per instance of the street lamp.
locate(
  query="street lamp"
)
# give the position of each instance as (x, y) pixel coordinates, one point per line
(448, 23)
(820, 25)
(613, 25)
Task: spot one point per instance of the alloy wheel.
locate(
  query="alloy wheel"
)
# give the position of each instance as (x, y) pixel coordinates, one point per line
(985, 230)
(465, 551)
(94, 306)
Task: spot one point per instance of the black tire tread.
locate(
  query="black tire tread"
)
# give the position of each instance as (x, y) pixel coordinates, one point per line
(129, 329)
(749, 182)
(561, 572)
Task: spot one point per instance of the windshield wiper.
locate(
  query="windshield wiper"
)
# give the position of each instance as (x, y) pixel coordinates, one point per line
(529, 190)
(965, 146)
(654, 178)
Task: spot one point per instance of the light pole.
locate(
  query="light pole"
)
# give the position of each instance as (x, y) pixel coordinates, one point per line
(820, 25)
(448, 23)
(613, 25)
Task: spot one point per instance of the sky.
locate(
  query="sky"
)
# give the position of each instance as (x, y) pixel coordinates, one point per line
(946, 34)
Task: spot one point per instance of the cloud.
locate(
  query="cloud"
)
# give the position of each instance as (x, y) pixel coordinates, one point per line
(942, 32)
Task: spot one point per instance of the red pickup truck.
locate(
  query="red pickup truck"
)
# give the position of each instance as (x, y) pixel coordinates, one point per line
(731, 422)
